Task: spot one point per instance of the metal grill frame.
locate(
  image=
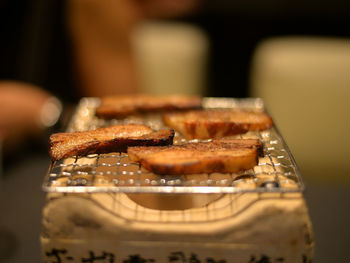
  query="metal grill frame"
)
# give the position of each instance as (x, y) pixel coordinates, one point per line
(278, 160)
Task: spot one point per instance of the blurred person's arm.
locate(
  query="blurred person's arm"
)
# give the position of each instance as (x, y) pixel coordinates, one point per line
(25, 112)
(100, 31)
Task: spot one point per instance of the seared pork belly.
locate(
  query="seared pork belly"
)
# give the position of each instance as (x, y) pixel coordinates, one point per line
(222, 156)
(104, 140)
(205, 124)
(115, 107)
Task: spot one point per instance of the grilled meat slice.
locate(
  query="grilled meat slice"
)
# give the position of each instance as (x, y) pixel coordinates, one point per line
(240, 143)
(222, 156)
(123, 106)
(205, 124)
(104, 140)
(116, 107)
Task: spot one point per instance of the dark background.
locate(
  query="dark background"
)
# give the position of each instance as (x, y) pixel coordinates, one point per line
(34, 48)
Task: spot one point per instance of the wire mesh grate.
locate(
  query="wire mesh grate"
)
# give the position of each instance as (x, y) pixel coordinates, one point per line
(114, 172)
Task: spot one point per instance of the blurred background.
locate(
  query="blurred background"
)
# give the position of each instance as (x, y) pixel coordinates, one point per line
(293, 54)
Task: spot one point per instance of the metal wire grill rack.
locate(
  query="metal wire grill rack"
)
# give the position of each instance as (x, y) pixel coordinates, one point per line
(276, 171)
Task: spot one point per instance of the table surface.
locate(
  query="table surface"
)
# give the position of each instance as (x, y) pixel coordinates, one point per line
(21, 202)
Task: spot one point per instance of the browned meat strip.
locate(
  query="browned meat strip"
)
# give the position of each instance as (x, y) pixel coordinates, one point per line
(240, 143)
(223, 156)
(123, 106)
(207, 124)
(104, 140)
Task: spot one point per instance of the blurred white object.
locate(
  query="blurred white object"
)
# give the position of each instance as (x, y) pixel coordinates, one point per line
(50, 112)
(171, 57)
(305, 83)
